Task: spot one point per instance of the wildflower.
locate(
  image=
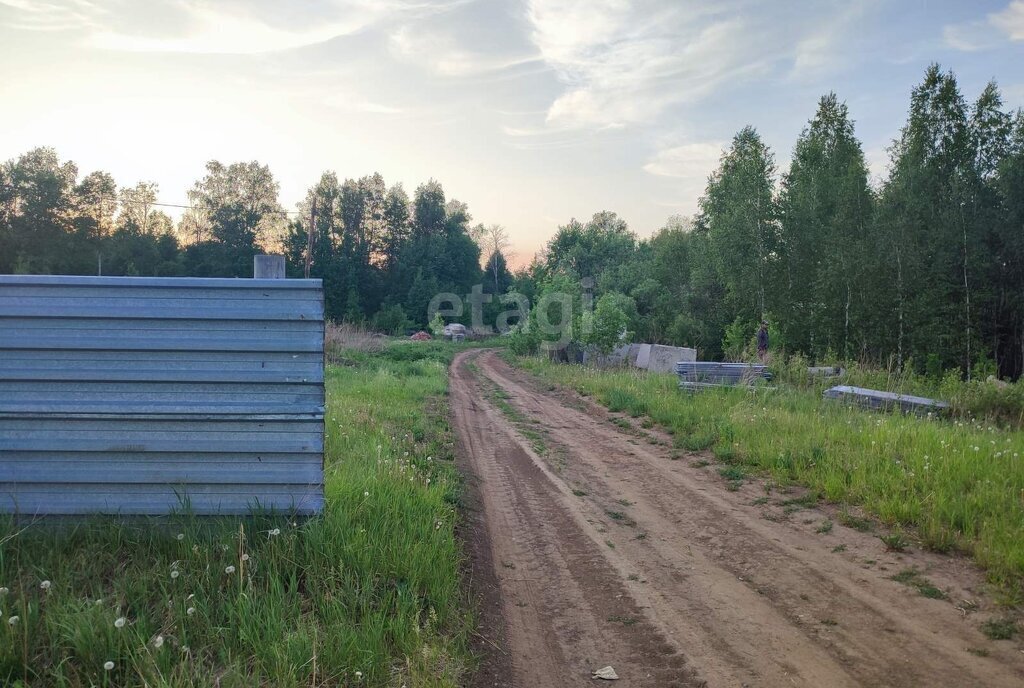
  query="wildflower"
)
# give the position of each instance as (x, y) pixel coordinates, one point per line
(45, 585)
(3, 591)
(976, 449)
(275, 531)
(120, 622)
(366, 494)
(12, 621)
(190, 611)
(428, 481)
(158, 641)
(359, 676)
(179, 536)
(108, 666)
(229, 570)
(245, 557)
(175, 574)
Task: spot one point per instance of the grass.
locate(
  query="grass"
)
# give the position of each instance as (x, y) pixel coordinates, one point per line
(957, 483)
(1000, 629)
(369, 593)
(913, 578)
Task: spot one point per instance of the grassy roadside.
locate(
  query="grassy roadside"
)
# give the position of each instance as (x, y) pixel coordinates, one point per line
(367, 594)
(958, 484)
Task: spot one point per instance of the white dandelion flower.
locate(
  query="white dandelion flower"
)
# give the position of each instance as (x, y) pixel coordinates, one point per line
(190, 611)
(275, 531)
(120, 622)
(12, 621)
(3, 592)
(245, 557)
(366, 494)
(158, 641)
(108, 666)
(45, 585)
(179, 536)
(359, 676)
(175, 574)
(229, 570)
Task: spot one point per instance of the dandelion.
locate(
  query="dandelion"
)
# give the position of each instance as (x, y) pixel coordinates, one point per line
(45, 585)
(245, 556)
(976, 449)
(428, 481)
(158, 642)
(3, 592)
(275, 531)
(190, 611)
(108, 666)
(179, 536)
(366, 494)
(359, 676)
(12, 621)
(229, 570)
(120, 622)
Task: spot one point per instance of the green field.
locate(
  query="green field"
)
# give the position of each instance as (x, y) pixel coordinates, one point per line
(958, 484)
(368, 594)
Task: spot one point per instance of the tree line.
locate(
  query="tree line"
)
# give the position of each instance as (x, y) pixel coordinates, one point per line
(926, 269)
(382, 256)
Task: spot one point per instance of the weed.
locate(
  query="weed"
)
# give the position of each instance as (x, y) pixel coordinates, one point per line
(977, 651)
(913, 578)
(633, 577)
(579, 493)
(829, 622)
(735, 473)
(1000, 629)
(700, 463)
(616, 515)
(838, 548)
(851, 520)
(825, 527)
(894, 542)
(624, 620)
(760, 501)
(611, 545)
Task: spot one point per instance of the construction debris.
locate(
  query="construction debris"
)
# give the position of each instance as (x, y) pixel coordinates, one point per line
(876, 399)
(607, 673)
(697, 375)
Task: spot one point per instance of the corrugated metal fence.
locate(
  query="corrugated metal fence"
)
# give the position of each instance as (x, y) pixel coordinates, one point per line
(143, 395)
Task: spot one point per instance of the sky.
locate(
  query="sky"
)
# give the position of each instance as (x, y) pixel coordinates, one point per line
(532, 112)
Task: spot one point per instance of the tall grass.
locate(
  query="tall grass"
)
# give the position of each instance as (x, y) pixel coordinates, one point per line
(366, 594)
(959, 483)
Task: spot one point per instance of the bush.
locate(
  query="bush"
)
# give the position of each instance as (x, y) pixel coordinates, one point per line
(524, 341)
(390, 320)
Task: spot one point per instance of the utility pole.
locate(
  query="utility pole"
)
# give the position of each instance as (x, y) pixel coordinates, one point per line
(309, 236)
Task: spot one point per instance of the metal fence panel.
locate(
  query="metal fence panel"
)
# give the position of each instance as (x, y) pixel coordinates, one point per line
(147, 395)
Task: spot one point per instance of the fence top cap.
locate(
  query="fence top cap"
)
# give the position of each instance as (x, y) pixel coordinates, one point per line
(208, 282)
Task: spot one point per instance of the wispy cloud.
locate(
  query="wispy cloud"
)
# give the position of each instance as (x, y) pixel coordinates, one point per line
(982, 34)
(440, 53)
(208, 27)
(688, 161)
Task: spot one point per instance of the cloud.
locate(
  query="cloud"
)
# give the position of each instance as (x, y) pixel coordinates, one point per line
(982, 34)
(1011, 20)
(208, 27)
(624, 63)
(439, 53)
(689, 161)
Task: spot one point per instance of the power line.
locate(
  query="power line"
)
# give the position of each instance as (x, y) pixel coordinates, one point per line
(188, 207)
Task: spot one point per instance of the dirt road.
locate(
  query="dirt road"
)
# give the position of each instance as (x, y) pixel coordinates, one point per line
(594, 545)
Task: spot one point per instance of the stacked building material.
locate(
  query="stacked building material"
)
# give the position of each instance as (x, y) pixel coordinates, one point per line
(696, 375)
(876, 399)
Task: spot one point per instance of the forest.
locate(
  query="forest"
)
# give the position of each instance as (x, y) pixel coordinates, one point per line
(924, 269)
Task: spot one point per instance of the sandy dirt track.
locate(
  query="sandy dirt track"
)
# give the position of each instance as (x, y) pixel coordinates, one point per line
(594, 545)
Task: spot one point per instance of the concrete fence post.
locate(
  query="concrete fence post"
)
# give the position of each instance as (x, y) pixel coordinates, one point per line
(268, 267)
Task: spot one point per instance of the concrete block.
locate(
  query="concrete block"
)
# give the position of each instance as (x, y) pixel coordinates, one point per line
(663, 359)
